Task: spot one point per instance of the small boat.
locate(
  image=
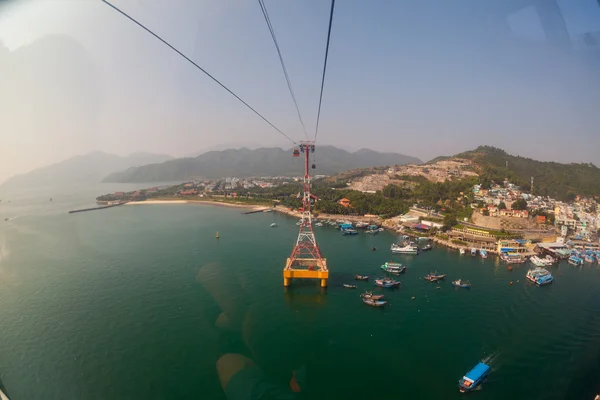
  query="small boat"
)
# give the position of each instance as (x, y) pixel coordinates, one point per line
(370, 295)
(372, 231)
(349, 231)
(426, 248)
(362, 225)
(462, 251)
(589, 258)
(374, 303)
(393, 268)
(461, 284)
(512, 258)
(361, 277)
(539, 262)
(474, 377)
(374, 248)
(349, 286)
(407, 249)
(387, 283)
(273, 225)
(473, 251)
(483, 253)
(540, 276)
(217, 235)
(319, 224)
(434, 277)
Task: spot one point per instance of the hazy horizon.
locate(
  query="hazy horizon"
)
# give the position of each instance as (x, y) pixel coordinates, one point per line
(419, 78)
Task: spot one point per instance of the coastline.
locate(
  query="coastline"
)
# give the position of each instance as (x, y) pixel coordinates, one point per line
(207, 202)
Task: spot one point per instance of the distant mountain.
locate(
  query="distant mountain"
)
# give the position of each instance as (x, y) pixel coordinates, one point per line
(560, 181)
(259, 162)
(90, 168)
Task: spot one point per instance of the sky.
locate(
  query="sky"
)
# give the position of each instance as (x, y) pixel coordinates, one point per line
(423, 78)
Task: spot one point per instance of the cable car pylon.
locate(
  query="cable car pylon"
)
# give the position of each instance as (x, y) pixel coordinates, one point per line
(306, 260)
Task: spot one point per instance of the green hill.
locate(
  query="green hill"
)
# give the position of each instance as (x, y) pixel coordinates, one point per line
(560, 181)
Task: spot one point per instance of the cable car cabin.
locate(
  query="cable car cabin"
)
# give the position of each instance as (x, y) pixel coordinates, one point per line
(296, 153)
(314, 166)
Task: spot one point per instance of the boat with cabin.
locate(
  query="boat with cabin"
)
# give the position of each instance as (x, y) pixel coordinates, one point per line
(434, 277)
(373, 303)
(539, 262)
(474, 377)
(574, 260)
(540, 276)
(387, 283)
(462, 250)
(483, 253)
(512, 258)
(408, 248)
(461, 284)
(393, 268)
(362, 225)
(589, 258)
(372, 231)
(427, 247)
(361, 277)
(349, 231)
(473, 251)
(348, 286)
(273, 225)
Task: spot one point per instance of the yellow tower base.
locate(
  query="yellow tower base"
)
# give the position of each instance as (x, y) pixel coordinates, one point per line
(299, 269)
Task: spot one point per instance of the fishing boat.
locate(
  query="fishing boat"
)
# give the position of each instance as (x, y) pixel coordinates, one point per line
(473, 251)
(574, 260)
(483, 253)
(461, 284)
(589, 258)
(512, 258)
(540, 276)
(387, 283)
(370, 295)
(273, 225)
(474, 377)
(361, 277)
(539, 262)
(393, 268)
(406, 249)
(374, 303)
(434, 277)
(349, 286)
(349, 231)
(461, 251)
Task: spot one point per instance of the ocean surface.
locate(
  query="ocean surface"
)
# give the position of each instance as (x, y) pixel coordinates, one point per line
(139, 302)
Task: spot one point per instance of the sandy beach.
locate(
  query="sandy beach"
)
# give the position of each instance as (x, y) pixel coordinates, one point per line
(208, 202)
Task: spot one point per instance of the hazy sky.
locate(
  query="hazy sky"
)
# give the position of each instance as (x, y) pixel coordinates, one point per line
(419, 77)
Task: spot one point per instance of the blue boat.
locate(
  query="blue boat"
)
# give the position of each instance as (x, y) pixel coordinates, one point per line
(387, 283)
(474, 377)
(483, 253)
(574, 260)
(589, 258)
(540, 276)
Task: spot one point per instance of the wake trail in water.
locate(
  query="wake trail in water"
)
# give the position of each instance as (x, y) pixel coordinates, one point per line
(32, 213)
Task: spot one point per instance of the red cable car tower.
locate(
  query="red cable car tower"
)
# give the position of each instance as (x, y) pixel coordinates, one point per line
(306, 260)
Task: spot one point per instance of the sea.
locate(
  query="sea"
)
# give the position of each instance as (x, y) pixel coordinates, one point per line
(141, 301)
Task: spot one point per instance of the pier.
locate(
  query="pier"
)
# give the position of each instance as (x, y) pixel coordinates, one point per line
(96, 208)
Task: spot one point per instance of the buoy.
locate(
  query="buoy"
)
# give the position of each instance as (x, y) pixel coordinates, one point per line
(217, 235)
(511, 282)
(510, 267)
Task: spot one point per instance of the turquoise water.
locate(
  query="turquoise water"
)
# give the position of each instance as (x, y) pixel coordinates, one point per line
(127, 303)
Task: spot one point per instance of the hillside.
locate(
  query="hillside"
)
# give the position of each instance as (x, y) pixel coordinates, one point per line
(88, 168)
(561, 181)
(259, 162)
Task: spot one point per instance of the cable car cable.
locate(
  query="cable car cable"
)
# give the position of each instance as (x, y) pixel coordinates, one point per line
(263, 7)
(324, 68)
(197, 66)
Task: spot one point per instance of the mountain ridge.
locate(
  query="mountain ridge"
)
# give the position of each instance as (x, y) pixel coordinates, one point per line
(264, 161)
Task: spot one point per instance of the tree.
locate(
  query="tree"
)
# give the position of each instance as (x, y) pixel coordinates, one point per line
(501, 206)
(486, 212)
(449, 221)
(519, 204)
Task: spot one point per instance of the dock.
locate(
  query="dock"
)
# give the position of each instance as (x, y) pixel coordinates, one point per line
(256, 211)
(96, 208)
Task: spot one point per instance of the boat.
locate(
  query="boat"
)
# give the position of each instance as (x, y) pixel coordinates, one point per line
(372, 231)
(473, 251)
(361, 277)
(539, 262)
(387, 283)
(373, 303)
(512, 258)
(273, 225)
(461, 284)
(319, 224)
(539, 276)
(349, 286)
(574, 260)
(426, 248)
(461, 251)
(550, 259)
(407, 249)
(589, 258)
(349, 231)
(362, 225)
(267, 210)
(217, 235)
(393, 268)
(483, 253)
(434, 277)
(370, 295)
(474, 377)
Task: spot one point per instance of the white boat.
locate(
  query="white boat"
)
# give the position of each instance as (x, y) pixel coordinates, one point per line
(462, 251)
(483, 253)
(473, 251)
(273, 225)
(539, 262)
(319, 224)
(407, 249)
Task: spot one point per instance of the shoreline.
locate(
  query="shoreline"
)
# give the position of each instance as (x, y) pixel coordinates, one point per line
(206, 202)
